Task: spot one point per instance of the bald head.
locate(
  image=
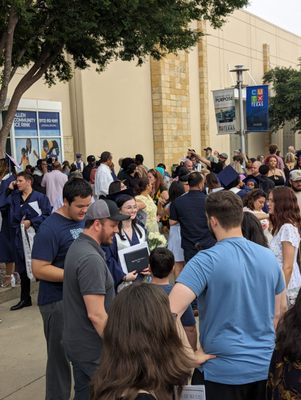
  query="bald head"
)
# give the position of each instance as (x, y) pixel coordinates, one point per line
(188, 164)
(255, 168)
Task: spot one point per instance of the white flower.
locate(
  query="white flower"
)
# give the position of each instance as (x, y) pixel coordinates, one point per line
(156, 240)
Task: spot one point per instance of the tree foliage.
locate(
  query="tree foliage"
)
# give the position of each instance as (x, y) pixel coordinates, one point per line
(285, 103)
(51, 37)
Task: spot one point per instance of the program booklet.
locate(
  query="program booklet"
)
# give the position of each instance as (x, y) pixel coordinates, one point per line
(134, 258)
(193, 392)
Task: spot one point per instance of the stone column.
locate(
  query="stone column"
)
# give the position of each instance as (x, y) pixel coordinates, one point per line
(203, 86)
(77, 115)
(170, 102)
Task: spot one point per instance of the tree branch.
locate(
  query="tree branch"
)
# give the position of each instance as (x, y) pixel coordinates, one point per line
(12, 22)
(19, 56)
(32, 76)
(14, 69)
(2, 42)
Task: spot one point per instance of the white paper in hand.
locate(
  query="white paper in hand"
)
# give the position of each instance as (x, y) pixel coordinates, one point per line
(35, 205)
(193, 392)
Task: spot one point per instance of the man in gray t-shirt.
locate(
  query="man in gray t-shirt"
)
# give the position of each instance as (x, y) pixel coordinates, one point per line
(88, 292)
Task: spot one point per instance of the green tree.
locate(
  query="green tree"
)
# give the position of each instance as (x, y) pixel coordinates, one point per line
(48, 38)
(285, 102)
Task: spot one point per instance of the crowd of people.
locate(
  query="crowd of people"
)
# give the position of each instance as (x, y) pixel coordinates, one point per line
(223, 237)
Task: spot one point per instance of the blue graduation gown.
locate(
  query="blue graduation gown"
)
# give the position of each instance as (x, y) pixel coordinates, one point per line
(7, 233)
(27, 209)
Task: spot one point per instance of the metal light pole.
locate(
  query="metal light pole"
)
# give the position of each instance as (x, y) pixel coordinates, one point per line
(239, 69)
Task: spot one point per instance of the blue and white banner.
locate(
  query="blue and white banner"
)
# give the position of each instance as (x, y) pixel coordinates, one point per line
(257, 108)
(49, 123)
(224, 104)
(25, 123)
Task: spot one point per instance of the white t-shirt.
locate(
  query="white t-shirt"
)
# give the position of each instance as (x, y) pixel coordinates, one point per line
(54, 182)
(287, 233)
(103, 179)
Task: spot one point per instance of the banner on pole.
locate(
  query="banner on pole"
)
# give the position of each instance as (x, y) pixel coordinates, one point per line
(224, 104)
(257, 108)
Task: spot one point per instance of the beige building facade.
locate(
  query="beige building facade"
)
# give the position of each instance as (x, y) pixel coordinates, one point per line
(163, 108)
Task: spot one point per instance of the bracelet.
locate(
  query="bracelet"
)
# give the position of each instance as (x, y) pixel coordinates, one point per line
(124, 278)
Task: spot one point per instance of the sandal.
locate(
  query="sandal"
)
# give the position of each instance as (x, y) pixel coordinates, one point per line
(6, 282)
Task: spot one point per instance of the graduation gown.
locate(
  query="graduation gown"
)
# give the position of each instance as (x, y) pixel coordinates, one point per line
(7, 233)
(36, 208)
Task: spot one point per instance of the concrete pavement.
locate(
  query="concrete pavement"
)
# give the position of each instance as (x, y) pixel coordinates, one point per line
(22, 353)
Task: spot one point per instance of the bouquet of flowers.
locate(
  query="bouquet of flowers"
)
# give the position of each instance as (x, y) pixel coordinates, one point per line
(156, 240)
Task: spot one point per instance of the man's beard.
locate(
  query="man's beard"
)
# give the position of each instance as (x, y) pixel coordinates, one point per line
(295, 189)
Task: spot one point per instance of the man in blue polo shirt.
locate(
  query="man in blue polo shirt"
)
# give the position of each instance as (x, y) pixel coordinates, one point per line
(51, 244)
(238, 285)
(189, 211)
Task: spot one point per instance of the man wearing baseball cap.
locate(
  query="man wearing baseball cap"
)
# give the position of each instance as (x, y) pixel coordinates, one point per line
(80, 165)
(215, 167)
(295, 182)
(209, 155)
(88, 292)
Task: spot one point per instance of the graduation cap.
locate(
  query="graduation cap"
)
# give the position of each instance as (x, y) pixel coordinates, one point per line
(250, 178)
(228, 177)
(114, 196)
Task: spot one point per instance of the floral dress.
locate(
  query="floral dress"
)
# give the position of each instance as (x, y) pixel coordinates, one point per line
(288, 233)
(150, 209)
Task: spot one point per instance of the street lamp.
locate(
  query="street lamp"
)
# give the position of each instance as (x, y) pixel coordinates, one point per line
(239, 69)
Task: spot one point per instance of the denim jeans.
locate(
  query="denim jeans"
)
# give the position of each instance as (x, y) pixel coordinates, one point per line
(83, 371)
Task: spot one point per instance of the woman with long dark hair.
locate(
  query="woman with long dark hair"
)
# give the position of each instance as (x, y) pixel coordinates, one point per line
(254, 202)
(284, 381)
(285, 227)
(129, 234)
(252, 229)
(212, 183)
(143, 356)
(275, 174)
(146, 206)
(158, 191)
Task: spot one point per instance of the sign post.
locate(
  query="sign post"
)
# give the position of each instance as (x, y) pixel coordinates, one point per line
(239, 69)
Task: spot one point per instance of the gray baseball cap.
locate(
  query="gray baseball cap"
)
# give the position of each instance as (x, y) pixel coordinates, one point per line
(101, 209)
(295, 175)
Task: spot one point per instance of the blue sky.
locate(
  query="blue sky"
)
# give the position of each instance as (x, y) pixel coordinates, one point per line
(286, 14)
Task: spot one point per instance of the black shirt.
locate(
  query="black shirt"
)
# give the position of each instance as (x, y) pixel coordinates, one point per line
(189, 211)
(216, 167)
(87, 172)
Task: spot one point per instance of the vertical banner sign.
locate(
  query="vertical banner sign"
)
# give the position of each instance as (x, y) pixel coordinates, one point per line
(49, 123)
(50, 135)
(26, 132)
(224, 104)
(257, 108)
